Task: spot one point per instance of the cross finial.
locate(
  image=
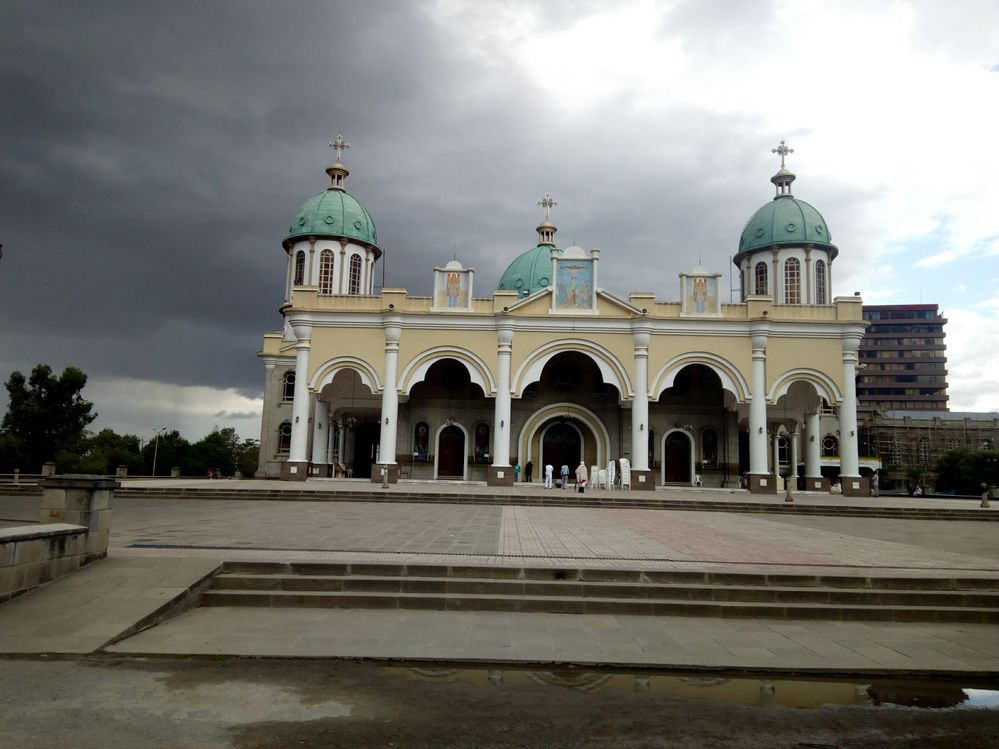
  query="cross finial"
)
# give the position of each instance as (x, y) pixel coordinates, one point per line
(339, 145)
(783, 150)
(547, 202)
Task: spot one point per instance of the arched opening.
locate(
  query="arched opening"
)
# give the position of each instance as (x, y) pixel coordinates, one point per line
(561, 444)
(677, 458)
(355, 413)
(451, 453)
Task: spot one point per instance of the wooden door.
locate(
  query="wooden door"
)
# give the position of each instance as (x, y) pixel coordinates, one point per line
(676, 456)
(451, 453)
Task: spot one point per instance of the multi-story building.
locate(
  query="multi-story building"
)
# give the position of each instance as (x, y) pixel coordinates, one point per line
(903, 359)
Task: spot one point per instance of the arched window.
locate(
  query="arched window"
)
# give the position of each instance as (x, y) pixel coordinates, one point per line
(288, 386)
(421, 441)
(354, 279)
(830, 446)
(709, 448)
(299, 268)
(895, 452)
(820, 281)
(284, 437)
(761, 285)
(792, 281)
(481, 442)
(784, 450)
(326, 272)
(924, 450)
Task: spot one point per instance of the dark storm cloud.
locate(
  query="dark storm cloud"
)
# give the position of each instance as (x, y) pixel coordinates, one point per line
(153, 155)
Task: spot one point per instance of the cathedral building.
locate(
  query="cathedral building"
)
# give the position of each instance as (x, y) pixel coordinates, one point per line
(549, 367)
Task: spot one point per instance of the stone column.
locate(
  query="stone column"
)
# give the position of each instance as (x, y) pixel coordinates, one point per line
(776, 459)
(813, 466)
(500, 472)
(795, 446)
(296, 467)
(760, 479)
(81, 500)
(342, 444)
(641, 476)
(849, 459)
(320, 438)
(390, 405)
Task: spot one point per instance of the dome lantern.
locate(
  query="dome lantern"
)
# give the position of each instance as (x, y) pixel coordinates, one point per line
(546, 229)
(338, 172)
(784, 177)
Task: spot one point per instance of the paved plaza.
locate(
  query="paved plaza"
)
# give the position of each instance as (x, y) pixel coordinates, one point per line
(159, 547)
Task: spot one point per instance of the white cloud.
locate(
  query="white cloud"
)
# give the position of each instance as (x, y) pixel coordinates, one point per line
(972, 342)
(141, 406)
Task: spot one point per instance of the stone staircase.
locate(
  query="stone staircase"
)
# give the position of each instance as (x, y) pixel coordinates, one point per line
(962, 510)
(604, 591)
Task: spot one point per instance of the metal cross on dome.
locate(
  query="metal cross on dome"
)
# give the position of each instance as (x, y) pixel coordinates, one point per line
(783, 150)
(547, 202)
(339, 145)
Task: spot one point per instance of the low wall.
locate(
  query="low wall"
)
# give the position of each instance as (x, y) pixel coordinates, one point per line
(36, 554)
(74, 528)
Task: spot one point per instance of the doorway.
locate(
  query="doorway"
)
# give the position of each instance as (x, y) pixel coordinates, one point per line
(676, 458)
(366, 437)
(560, 446)
(451, 453)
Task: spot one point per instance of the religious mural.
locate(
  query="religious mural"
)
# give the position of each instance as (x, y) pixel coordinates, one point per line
(451, 289)
(574, 283)
(700, 295)
(421, 441)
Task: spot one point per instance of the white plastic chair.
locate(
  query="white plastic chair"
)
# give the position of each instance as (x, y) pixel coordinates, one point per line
(602, 479)
(611, 475)
(697, 480)
(625, 472)
(594, 477)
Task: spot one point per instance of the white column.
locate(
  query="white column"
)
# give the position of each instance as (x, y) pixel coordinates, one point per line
(341, 454)
(795, 446)
(300, 405)
(849, 460)
(814, 441)
(640, 404)
(329, 441)
(321, 432)
(758, 404)
(390, 394)
(501, 419)
(776, 454)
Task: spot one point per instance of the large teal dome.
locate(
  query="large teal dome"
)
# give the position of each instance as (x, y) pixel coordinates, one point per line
(785, 220)
(530, 272)
(333, 213)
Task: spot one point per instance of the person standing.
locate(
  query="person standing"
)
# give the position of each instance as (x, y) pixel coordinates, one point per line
(529, 471)
(874, 484)
(549, 473)
(581, 477)
(565, 475)
(516, 473)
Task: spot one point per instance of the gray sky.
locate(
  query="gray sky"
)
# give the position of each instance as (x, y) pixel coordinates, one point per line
(153, 155)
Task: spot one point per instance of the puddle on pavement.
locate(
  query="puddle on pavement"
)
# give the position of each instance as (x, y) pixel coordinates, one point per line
(778, 691)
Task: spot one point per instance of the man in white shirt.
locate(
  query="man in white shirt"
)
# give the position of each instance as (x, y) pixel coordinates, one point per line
(565, 475)
(549, 473)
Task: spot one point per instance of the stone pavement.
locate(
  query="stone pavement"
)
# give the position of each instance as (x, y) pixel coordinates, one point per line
(160, 547)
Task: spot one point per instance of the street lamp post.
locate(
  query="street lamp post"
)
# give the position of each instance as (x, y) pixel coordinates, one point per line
(156, 447)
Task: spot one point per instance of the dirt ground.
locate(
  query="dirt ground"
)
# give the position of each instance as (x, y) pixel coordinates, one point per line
(105, 702)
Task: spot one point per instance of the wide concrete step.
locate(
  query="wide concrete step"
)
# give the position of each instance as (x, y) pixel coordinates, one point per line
(614, 606)
(619, 590)
(605, 591)
(963, 510)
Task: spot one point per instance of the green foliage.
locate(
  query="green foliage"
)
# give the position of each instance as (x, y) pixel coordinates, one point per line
(248, 457)
(964, 470)
(46, 418)
(166, 451)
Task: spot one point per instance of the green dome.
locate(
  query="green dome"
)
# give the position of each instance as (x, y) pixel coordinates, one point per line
(333, 213)
(530, 272)
(785, 220)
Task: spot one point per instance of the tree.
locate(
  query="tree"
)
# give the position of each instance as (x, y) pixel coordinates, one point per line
(107, 450)
(248, 457)
(216, 451)
(46, 416)
(964, 470)
(169, 450)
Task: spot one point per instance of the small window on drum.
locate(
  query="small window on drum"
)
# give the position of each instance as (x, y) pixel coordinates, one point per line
(792, 281)
(820, 282)
(299, 268)
(354, 277)
(761, 286)
(284, 437)
(288, 387)
(326, 272)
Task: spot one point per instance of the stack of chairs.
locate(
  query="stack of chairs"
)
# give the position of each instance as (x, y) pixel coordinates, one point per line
(602, 478)
(594, 477)
(625, 472)
(611, 475)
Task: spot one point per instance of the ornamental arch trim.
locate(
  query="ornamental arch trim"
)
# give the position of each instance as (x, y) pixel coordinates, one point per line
(415, 371)
(328, 370)
(536, 421)
(731, 378)
(611, 369)
(692, 449)
(823, 384)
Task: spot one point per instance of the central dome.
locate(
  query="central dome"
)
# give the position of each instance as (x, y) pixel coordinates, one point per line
(333, 213)
(785, 220)
(529, 272)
